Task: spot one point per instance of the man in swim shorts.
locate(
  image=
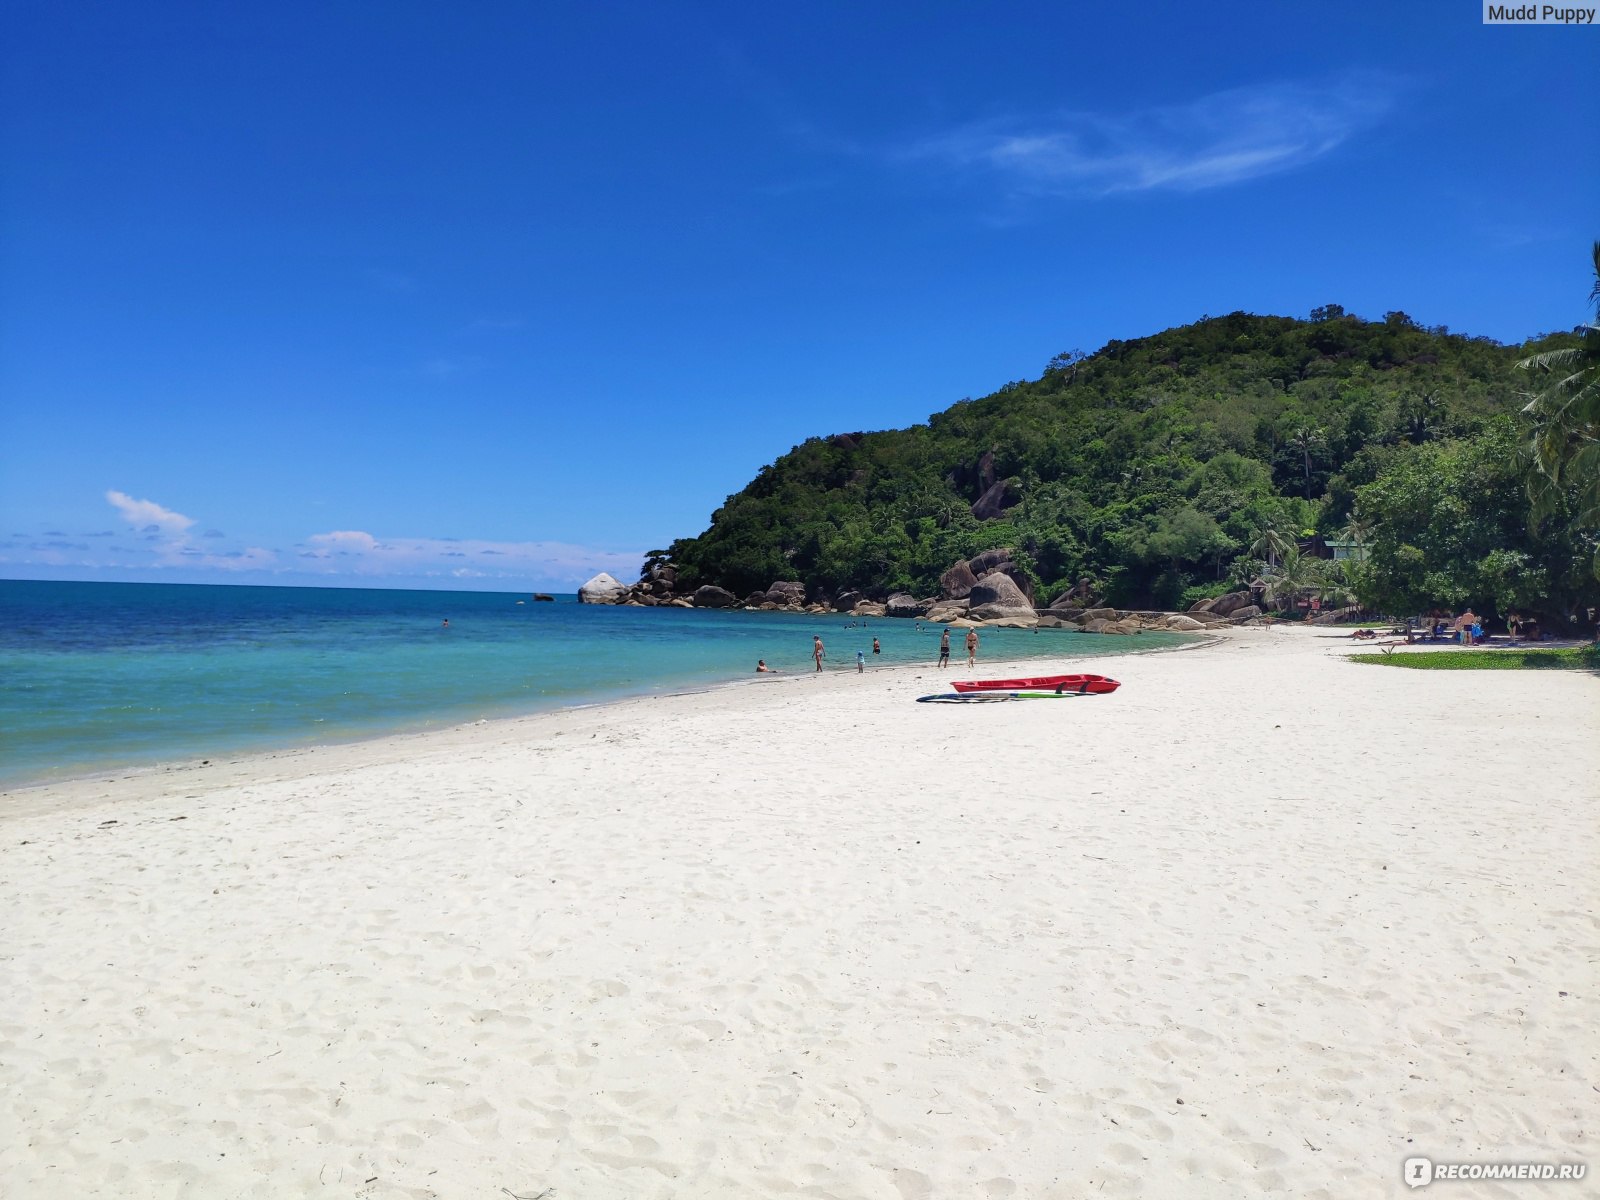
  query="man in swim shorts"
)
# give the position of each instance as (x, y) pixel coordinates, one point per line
(944, 649)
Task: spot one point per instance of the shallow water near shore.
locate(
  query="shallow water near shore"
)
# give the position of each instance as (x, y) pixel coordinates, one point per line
(96, 676)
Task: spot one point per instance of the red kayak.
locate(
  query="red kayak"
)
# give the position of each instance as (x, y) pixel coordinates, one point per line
(1091, 684)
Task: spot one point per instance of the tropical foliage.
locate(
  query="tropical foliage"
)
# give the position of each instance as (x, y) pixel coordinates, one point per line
(1566, 418)
(1163, 469)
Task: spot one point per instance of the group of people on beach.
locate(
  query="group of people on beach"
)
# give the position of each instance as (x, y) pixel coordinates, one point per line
(1438, 626)
(819, 652)
(1467, 628)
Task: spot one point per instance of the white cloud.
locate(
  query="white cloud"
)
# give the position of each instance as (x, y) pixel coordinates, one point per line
(345, 539)
(350, 551)
(177, 546)
(142, 513)
(1224, 138)
(169, 531)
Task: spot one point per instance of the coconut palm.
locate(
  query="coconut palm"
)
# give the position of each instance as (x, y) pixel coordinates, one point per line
(1269, 541)
(1566, 417)
(1357, 529)
(1335, 586)
(1306, 440)
(1295, 574)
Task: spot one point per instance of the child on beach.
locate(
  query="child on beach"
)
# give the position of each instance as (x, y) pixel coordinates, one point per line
(861, 661)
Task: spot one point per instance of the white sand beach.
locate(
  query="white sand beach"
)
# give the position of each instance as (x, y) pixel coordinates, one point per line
(1261, 923)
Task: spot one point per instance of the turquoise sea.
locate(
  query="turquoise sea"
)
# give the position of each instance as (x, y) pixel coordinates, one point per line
(96, 676)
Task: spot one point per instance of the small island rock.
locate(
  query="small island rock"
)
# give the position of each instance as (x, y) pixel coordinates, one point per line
(602, 589)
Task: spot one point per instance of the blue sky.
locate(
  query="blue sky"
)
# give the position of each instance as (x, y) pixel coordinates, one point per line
(499, 295)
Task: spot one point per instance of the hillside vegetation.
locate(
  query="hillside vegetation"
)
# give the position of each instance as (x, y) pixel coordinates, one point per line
(1153, 471)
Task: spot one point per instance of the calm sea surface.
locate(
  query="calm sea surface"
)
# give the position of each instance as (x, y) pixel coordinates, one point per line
(95, 676)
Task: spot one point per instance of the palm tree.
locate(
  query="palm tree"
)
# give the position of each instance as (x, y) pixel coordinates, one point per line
(1357, 529)
(1336, 586)
(1422, 416)
(1306, 440)
(1566, 417)
(1297, 573)
(1269, 541)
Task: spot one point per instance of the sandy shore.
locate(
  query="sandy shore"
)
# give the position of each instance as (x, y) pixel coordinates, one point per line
(1264, 922)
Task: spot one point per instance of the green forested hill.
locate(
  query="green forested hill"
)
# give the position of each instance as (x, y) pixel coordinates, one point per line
(1151, 468)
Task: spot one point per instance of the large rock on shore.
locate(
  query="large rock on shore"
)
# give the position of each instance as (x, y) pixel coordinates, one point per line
(1240, 615)
(996, 596)
(1184, 624)
(847, 600)
(948, 610)
(602, 589)
(787, 592)
(1067, 604)
(956, 583)
(711, 596)
(1048, 620)
(981, 564)
(1227, 606)
(901, 604)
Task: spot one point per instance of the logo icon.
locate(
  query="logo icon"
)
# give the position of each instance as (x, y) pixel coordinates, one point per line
(1418, 1172)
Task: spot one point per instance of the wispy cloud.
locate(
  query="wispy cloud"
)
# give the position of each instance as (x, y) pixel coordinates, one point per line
(1224, 138)
(147, 515)
(353, 551)
(168, 531)
(166, 541)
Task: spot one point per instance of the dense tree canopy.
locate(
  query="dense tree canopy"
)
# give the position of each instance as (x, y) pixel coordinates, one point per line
(1566, 417)
(1158, 468)
(1451, 528)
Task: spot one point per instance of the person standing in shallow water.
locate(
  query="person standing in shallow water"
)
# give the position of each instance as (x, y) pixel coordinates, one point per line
(876, 649)
(817, 652)
(972, 648)
(944, 649)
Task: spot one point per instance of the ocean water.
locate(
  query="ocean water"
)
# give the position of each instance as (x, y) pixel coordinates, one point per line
(98, 676)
